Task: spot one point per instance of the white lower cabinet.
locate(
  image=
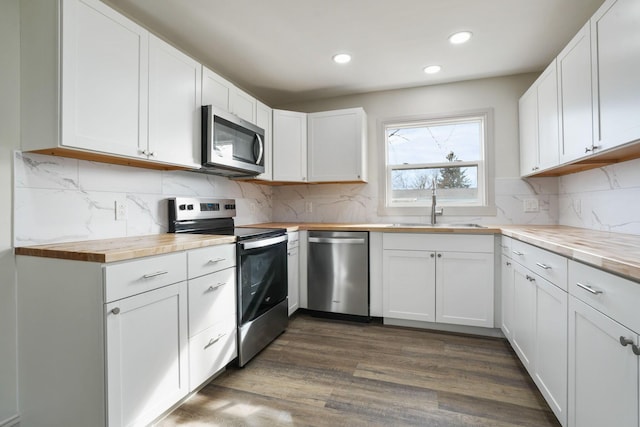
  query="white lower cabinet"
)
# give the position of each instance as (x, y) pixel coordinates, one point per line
(212, 312)
(538, 332)
(147, 363)
(603, 375)
(603, 348)
(293, 271)
(443, 278)
(122, 342)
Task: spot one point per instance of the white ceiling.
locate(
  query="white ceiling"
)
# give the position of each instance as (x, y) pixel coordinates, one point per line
(280, 50)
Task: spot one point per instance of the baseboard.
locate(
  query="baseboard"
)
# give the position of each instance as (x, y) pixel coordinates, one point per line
(445, 327)
(11, 422)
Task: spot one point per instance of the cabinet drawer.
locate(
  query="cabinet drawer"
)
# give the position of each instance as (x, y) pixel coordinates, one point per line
(212, 299)
(208, 260)
(438, 242)
(548, 265)
(210, 351)
(612, 295)
(134, 277)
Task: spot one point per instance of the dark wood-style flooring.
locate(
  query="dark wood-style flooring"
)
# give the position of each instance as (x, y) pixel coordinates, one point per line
(335, 373)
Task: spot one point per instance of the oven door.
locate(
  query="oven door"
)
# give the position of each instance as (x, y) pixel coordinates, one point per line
(262, 276)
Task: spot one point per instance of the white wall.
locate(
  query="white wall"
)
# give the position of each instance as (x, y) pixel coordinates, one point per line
(9, 140)
(359, 202)
(606, 199)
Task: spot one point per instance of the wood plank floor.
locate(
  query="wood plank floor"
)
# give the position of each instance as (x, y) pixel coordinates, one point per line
(333, 373)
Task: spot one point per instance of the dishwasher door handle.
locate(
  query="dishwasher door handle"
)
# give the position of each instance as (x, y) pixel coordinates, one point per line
(339, 240)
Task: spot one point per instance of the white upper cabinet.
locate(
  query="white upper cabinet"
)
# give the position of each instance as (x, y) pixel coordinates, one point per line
(243, 105)
(548, 132)
(216, 91)
(337, 148)
(574, 85)
(104, 80)
(539, 133)
(224, 95)
(264, 119)
(528, 115)
(615, 31)
(289, 146)
(91, 92)
(174, 105)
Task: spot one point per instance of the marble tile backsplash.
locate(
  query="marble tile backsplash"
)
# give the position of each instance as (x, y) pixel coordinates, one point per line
(59, 200)
(606, 198)
(359, 203)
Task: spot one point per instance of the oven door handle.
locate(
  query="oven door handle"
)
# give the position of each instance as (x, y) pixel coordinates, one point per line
(263, 243)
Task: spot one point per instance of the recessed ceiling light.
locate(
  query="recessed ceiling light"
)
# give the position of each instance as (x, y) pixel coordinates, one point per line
(432, 69)
(341, 58)
(460, 37)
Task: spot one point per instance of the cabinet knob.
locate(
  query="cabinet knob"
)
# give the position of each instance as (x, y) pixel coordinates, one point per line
(152, 153)
(433, 255)
(439, 255)
(116, 310)
(508, 263)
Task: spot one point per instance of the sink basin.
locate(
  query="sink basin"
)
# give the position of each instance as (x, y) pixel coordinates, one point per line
(421, 225)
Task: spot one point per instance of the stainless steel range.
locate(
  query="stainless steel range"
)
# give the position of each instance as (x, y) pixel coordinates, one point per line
(261, 268)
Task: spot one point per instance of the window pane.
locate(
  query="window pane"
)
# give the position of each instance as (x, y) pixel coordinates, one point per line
(435, 143)
(455, 185)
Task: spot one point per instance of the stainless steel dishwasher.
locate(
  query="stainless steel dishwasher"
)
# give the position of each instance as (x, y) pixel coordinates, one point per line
(338, 272)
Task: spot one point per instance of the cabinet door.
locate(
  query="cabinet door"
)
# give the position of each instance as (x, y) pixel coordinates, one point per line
(574, 84)
(524, 315)
(550, 360)
(507, 297)
(408, 281)
(464, 288)
(548, 131)
(264, 119)
(615, 30)
(104, 80)
(147, 365)
(603, 375)
(174, 105)
(243, 105)
(337, 145)
(293, 269)
(289, 146)
(528, 119)
(216, 91)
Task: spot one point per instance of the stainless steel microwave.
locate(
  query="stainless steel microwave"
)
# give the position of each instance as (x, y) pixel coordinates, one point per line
(231, 146)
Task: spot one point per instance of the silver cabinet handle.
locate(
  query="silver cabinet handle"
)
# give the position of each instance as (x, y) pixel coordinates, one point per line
(508, 263)
(588, 289)
(213, 261)
(116, 310)
(518, 253)
(338, 240)
(530, 278)
(216, 287)
(212, 341)
(157, 273)
(625, 341)
(545, 266)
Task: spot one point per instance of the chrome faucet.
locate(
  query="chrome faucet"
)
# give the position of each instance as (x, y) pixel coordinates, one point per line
(434, 212)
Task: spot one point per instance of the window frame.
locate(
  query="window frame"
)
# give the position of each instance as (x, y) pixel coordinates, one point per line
(485, 206)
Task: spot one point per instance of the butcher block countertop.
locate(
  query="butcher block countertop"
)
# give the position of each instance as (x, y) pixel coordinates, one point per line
(124, 248)
(613, 252)
(387, 228)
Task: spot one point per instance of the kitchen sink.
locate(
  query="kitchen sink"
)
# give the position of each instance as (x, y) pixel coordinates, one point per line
(422, 225)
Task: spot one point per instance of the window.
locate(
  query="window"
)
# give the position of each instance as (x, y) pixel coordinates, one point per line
(448, 152)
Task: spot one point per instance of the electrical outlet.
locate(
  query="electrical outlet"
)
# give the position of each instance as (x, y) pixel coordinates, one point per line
(531, 205)
(252, 207)
(121, 210)
(308, 207)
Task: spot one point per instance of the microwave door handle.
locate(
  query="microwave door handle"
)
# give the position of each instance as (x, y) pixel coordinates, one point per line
(261, 152)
